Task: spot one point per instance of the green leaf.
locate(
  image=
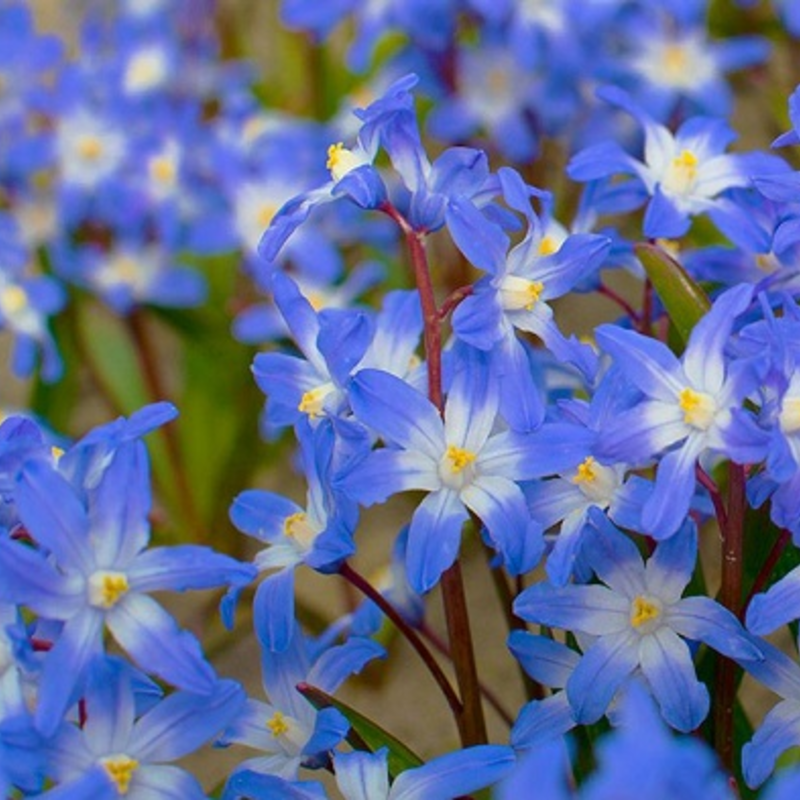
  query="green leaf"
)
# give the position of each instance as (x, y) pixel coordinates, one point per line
(684, 299)
(368, 735)
(107, 346)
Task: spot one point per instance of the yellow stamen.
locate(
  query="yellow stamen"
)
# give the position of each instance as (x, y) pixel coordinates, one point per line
(547, 246)
(698, 408)
(162, 170)
(643, 611)
(266, 214)
(90, 148)
(459, 458)
(120, 769)
(675, 60)
(586, 472)
(312, 402)
(106, 588)
(682, 173)
(277, 724)
(13, 299)
(293, 522)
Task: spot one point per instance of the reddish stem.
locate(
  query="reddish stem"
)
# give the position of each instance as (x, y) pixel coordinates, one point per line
(491, 698)
(452, 301)
(471, 723)
(612, 295)
(767, 567)
(368, 590)
(730, 596)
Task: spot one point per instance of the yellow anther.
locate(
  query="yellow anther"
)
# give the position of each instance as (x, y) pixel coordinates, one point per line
(277, 724)
(547, 246)
(266, 214)
(341, 161)
(698, 408)
(459, 458)
(644, 610)
(312, 402)
(586, 472)
(120, 769)
(682, 173)
(162, 169)
(106, 588)
(299, 528)
(675, 60)
(56, 453)
(13, 299)
(90, 148)
(534, 293)
(291, 524)
(334, 154)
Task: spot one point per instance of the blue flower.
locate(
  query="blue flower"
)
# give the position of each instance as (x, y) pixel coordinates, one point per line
(319, 535)
(690, 407)
(682, 174)
(98, 574)
(286, 730)
(545, 265)
(460, 460)
(638, 620)
(120, 751)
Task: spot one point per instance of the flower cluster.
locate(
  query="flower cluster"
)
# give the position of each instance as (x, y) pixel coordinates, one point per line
(402, 258)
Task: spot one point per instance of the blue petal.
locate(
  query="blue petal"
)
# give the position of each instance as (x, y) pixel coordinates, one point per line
(185, 567)
(500, 505)
(483, 242)
(703, 620)
(164, 782)
(55, 517)
(248, 784)
(547, 661)
(614, 557)
(434, 538)
(454, 774)
(262, 514)
(183, 722)
(541, 721)
(273, 610)
(663, 219)
(668, 667)
(338, 663)
(152, 638)
(605, 666)
(779, 731)
(396, 411)
(363, 776)
(778, 606)
(593, 609)
(65, 667)
(669, 569)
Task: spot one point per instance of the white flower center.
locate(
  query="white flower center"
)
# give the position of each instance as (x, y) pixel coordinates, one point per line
(646, 612)
(597, 481)
(106, 588)
(456, 468)
(699, 409)
(518, 294)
